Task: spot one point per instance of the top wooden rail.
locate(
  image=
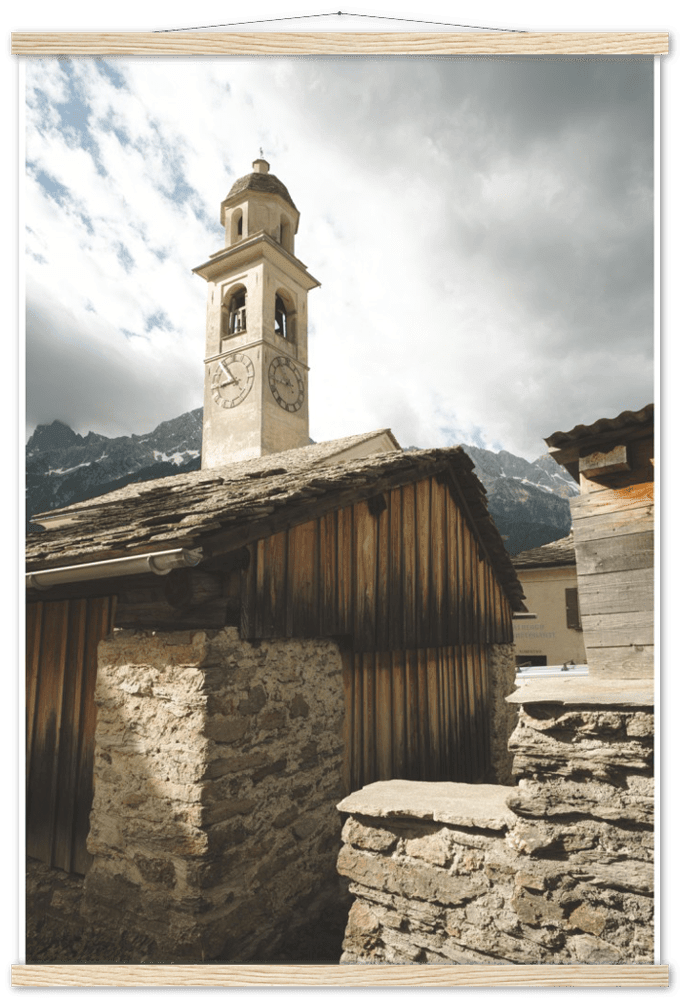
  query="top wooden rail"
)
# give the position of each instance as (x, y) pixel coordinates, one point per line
(136, 43)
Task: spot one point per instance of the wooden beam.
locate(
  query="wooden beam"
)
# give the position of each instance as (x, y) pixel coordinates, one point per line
(614, 555)
(609, 593)
(632, 628)
(598, 515)
(600, 463)
(624, 662)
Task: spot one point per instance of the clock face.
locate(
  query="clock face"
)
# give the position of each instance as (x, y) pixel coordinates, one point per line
(231, 380)
(286, 384)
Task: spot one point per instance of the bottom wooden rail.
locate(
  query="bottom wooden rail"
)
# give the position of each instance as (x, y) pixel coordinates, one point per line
(339, 975)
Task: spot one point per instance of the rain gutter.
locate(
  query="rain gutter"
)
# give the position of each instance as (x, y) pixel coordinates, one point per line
(159, 563)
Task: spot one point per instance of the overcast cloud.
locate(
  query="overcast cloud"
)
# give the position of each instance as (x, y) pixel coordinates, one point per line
(483, 233)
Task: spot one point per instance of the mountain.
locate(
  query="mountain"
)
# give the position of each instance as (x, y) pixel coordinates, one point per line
(63, 467)
(527, 500)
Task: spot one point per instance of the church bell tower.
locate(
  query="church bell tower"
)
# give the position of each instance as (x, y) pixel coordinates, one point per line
(256, 365)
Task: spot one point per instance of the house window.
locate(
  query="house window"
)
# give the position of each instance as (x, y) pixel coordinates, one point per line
(531, 661)
(573, 609)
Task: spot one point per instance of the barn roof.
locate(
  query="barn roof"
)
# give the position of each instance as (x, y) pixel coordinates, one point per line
(558, 553)
(566, 447)
(222, 509)
(625, 421)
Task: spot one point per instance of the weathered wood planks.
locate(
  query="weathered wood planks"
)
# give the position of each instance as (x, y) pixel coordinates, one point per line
(625, 591)
(615, 555)
(407, 574)
(420, 714)
(625, 662)
(62, 638)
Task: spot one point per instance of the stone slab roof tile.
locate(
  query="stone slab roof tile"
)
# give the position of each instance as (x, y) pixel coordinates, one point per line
(223, 509)
(558, 553)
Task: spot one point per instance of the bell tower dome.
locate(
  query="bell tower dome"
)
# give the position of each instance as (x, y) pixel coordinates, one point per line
(256, 362)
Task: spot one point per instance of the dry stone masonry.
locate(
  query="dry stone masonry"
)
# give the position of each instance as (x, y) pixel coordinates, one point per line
(558, 870)
(217, 769)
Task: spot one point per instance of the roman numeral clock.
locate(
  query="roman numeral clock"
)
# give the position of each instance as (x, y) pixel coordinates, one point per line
(256, 371)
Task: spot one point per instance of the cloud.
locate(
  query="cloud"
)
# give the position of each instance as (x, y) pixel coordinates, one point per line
(482, 231)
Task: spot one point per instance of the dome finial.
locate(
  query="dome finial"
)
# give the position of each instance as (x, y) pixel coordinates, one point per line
(260, 166)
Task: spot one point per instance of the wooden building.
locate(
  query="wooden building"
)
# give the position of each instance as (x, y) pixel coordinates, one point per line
(613, 525)
(396, 554)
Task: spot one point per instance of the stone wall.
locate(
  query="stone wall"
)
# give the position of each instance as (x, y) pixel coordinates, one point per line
(558, 870)
(217, 769)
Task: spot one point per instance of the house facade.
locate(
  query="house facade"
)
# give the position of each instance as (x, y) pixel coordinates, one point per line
(550, 582)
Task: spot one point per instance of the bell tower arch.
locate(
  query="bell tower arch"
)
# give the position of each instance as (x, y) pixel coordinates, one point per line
(256, 360)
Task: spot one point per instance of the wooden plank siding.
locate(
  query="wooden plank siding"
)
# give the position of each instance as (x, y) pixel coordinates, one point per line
(407, 579)
(412, 575)
(613, 527)
(62, 638)
(418, 714)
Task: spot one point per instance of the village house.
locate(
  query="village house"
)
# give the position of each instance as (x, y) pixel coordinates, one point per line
(553, 636)
(217, 658)
(558, 869)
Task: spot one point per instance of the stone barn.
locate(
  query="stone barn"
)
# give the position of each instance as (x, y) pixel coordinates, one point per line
(216, 658)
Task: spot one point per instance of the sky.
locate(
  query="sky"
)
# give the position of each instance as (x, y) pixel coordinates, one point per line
(482, 231)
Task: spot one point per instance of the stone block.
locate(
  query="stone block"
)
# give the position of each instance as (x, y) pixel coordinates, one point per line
(305, 827)
(285, 818)
(588, 918)
(588, 950)
(435, 848)
(273, 719)
(274, 767)
(253, 703)
(298, 707)
(219, 811)
(156, 870)
(368, 838)
(536, 910)
(226, 728)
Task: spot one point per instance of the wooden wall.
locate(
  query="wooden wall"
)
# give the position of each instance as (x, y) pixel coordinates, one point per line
(61, 657)
(613, 526)
(404, 577)
(420, 714)
(402, 571)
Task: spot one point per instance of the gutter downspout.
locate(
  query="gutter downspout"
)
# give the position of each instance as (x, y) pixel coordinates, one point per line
(159, 563)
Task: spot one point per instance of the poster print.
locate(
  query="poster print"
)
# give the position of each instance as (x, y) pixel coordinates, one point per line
(515, 173)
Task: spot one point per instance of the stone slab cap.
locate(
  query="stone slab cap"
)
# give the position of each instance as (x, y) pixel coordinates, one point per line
(450, 802)
(635, 692)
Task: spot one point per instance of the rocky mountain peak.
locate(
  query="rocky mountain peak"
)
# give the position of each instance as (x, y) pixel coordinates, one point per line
(52, 437)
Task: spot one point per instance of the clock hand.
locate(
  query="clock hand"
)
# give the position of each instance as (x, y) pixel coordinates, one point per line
(229, 375)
